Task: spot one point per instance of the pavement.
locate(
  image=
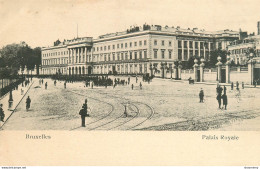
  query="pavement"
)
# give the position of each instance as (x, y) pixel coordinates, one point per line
(163, 104)
(17, 98)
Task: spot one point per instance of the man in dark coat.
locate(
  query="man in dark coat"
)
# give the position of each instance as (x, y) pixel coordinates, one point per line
(28, 103)
(201, 95)
(46, 85)
(225, 101)
(232, 85)
(219, 100)
(2, 114)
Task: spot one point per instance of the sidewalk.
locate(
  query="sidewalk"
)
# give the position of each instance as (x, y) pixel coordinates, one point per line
(17, 97)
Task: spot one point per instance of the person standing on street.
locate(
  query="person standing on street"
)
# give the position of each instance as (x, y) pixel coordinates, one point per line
(83, 114)
(28, 103)
(225, 101)
(141, 85)
(132, 86)
(243, 85)
(201, 95)
(232, 85)
(46, 85)
(65, 85)
(219, 100)
(237, 85)
(2, 114)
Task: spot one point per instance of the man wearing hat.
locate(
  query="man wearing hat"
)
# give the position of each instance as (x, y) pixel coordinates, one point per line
(83, 113)
(2, 115)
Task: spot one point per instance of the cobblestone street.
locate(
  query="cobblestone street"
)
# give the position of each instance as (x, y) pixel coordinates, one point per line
(163, 104)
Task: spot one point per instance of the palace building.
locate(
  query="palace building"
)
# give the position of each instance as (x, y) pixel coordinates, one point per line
(135, 51)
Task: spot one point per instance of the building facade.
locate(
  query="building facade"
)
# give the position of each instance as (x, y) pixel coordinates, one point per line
(138, 50)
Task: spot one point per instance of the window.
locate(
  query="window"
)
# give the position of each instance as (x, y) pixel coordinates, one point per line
(162, 42)
(125, 45)
(185, 54)
(130, 44)
(196, 45)
(190, 44)
(135, 43)
(155, 42)
(179, 44)
(144, 42)
(140, 55)
(185, 44)
(101, 48)
(117, 46)
(97, 48)
(201, 45)
(130, 55)
(162, 54)
(140, 43)
(126, 56)
(122, 56)
(170, 43)
(155, 53)
(113, 46)
(145, 54)
(114, 56)
(122, 45)
(170, 54)
(105, 58)
(108, 48)
(179, 54)
(105, 48)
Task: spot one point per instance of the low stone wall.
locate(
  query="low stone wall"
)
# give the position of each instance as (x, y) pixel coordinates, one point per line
(242, 76)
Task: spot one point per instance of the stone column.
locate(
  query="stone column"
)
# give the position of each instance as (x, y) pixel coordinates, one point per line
(195, 66)
(251, 65)
(175, 71)
(179, 70)
(85, 60)
(202, 70)
(219, 64)
(228, 70)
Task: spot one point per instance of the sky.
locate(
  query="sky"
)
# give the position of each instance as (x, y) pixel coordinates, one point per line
(40, 23)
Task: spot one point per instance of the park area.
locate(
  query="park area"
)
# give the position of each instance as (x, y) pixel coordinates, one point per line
(162, 104)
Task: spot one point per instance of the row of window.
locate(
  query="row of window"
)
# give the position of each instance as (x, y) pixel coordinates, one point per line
(120, 56)
(185, 44)
(119, 46)
(55, 53)
(54, 61)
(163, 56)
(242, 51)
(185, 54)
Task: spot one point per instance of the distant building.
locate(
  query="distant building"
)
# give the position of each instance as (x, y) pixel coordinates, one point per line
(132, 51)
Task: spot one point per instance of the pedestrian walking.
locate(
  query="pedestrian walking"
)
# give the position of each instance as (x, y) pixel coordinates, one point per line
(201, 95)
(46, 85)
(225, 89)
(219, 100)
(2, 114)
(65, 85)
(141, 85)
(55, 82)
(243, 85)
(255, 82)
(237, 85)
(136, 79)
(132, 86)
(92, 85)
(28, 103)
(225, 101)
(232, 85)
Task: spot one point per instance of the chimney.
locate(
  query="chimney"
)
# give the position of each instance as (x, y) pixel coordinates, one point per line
(258, 28)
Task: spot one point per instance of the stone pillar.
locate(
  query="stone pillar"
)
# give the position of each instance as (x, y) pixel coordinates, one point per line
(195, 66)
(85, 60)
(219, 64)
(69, 55)
(228, 70)
(175, 71)
(179, 70)
(202, 70)
(251, 65)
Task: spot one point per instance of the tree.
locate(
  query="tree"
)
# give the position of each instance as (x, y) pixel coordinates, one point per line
(215, 54)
